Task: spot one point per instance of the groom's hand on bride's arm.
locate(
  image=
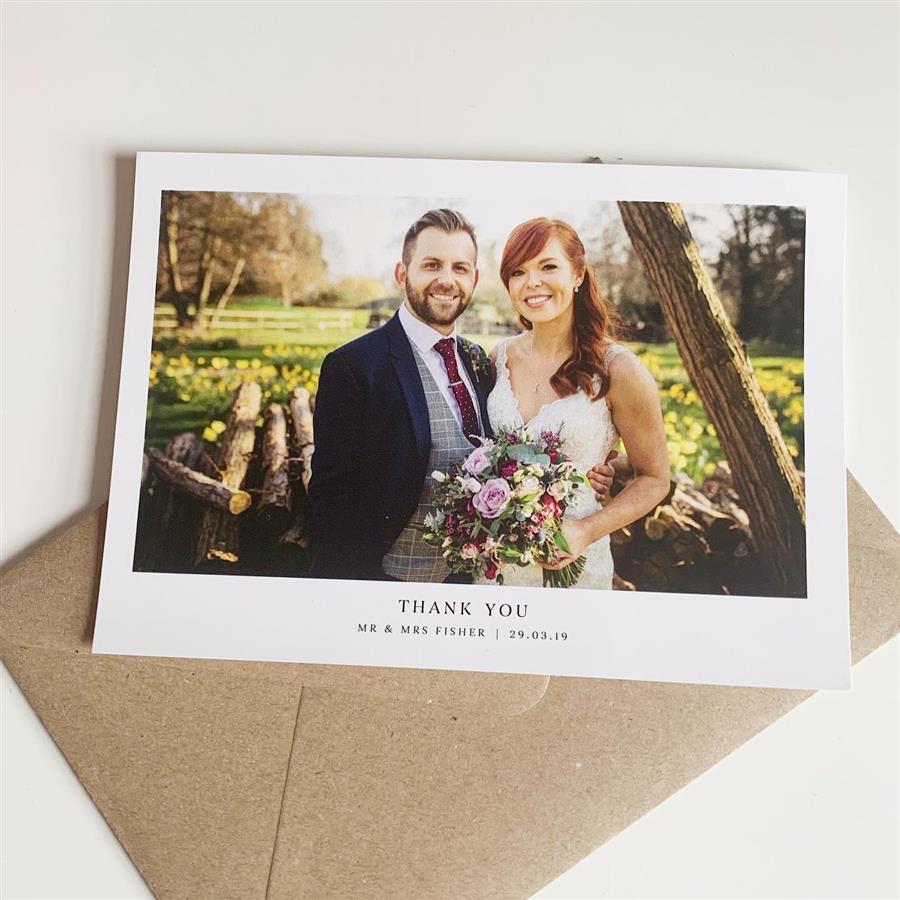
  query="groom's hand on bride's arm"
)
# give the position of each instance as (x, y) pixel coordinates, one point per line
(601, 476)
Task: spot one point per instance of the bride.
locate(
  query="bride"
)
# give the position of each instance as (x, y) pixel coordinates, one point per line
(565, 373)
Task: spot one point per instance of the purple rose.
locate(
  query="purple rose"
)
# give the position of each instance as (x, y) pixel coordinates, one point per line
(493, 498)
(477, 461)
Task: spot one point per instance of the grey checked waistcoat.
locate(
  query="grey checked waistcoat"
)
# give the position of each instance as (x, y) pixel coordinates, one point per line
(410, 558)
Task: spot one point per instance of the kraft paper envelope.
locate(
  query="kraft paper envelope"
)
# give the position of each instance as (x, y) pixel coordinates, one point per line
(229, 779)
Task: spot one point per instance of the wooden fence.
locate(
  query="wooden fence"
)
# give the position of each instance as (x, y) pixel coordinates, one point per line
(164, 319)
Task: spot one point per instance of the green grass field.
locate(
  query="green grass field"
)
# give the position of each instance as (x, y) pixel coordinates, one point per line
(191, 385)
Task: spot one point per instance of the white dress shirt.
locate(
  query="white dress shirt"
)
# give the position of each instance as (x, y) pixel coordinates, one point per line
(424, 337)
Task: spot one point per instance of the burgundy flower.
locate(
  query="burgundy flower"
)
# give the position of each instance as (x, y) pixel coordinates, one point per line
(490, 571)
(550, 504)
(508, 467)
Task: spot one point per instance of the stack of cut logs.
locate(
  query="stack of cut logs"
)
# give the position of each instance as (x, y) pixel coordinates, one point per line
(697, 540)
(244, 512)
(247, 511)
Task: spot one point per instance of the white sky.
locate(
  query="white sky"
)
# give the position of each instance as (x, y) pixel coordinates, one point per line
(362, 236)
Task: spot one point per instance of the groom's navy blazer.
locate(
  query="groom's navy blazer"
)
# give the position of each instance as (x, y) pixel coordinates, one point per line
(372, 440)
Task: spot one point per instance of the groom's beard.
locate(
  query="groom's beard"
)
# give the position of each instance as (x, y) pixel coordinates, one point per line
(435, 312)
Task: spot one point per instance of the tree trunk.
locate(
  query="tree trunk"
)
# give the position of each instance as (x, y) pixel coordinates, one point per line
(229, 290)
(274, 502)
(205, 275)
(175, 295)
(218, 534)
(764, 473)
(172, 243)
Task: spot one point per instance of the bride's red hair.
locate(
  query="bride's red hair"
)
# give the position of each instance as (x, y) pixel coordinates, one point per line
(594, 319)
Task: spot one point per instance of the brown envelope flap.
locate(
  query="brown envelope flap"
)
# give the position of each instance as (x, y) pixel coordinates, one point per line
(869, 526)
(420, 805)
(187, 768)
(48, 600)
(874, 573)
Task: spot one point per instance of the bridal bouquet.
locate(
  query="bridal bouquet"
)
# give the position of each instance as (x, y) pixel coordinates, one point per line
(504, 504)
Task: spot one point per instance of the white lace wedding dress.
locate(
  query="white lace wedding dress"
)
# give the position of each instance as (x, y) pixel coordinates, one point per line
(588, 434)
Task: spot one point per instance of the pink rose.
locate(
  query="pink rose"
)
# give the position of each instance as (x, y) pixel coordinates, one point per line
(469, 551)
(493, 498)
(477, 461)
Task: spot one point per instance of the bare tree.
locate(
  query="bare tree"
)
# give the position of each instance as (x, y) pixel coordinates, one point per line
(206, 239)
(170, 233)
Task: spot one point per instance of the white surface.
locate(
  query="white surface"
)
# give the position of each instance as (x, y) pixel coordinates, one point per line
(809, 86)
(756, 641)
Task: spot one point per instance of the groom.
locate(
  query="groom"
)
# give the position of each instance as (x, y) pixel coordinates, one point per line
(393, 406)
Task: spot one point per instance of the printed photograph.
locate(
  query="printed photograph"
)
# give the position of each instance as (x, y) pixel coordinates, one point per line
(597, 395)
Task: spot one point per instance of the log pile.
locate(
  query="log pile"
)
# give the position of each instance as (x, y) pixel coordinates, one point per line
(247, 511)
(697, 541)
(166, 517)
(219, 537)
(243, 511)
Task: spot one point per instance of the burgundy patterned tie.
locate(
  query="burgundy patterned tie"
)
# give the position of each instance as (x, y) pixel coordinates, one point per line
(447, 348)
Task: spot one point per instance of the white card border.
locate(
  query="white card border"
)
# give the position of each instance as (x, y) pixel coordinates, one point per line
(759, 641)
